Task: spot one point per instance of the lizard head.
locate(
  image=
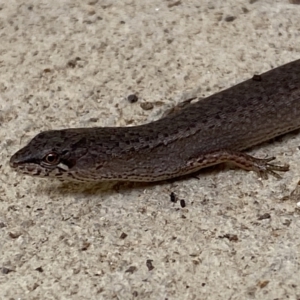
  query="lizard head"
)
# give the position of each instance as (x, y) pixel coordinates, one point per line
(47, 155)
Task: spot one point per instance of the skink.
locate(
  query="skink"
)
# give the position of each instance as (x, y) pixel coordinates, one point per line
(213, 130)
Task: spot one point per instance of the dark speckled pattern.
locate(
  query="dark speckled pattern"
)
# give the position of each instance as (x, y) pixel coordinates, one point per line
(235, 119)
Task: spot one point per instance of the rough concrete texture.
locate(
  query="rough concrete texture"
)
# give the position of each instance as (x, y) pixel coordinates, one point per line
(66, 63)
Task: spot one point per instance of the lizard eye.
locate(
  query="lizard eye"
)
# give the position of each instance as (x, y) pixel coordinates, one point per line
(51, 158)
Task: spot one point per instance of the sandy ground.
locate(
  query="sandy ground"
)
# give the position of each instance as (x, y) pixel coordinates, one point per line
(72, 64)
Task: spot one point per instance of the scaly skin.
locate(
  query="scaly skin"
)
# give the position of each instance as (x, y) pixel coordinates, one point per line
(211, 131)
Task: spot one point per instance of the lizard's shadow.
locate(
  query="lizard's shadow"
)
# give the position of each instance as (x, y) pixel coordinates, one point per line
(112, 187)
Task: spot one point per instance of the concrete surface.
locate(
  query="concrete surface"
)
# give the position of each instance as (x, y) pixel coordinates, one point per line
(67, 63)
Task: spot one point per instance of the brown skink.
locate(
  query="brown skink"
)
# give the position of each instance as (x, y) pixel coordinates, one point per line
(213, 130)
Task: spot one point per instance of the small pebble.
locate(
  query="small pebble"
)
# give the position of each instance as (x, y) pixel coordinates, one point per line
(149, 264)
(132, 98)
(230, 18)
(173, 197)
(146, 105)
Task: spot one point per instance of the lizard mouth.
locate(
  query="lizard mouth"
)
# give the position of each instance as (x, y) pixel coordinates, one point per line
(14, 162)
(33, 169)
(29, 169)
